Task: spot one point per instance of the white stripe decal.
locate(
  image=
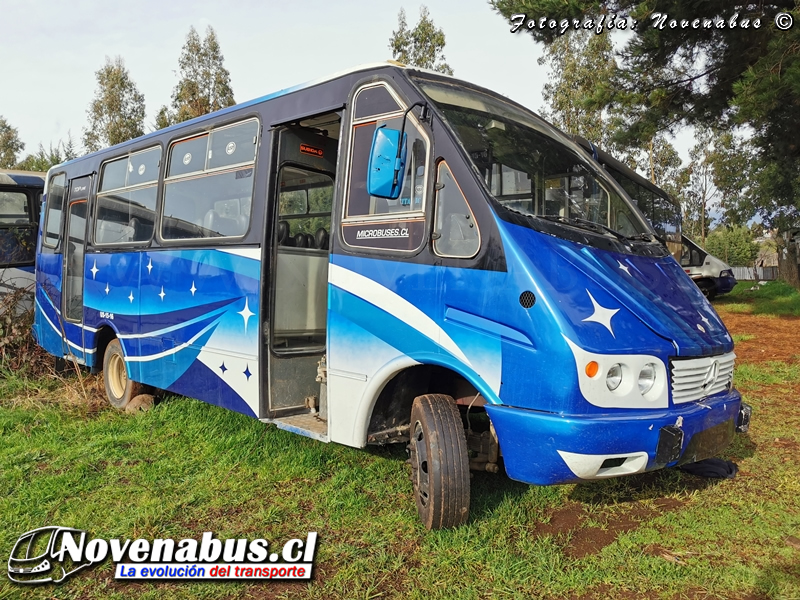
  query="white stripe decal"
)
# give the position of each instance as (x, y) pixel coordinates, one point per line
(159, 332)
(58, 312)
(254, 253)
(46, 318)
(385, 299)
(150, 357)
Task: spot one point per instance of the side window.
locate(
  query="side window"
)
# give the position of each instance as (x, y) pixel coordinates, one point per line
(17, 237)
(382, 223)
(55, 204)
(209, 187)
(360, 203)
(455, 232)
(126, 201)
(14, 209)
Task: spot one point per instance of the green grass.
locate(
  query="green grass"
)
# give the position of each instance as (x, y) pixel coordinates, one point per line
(773, 298)
(186, 467)
(742, 337)
(771, 373)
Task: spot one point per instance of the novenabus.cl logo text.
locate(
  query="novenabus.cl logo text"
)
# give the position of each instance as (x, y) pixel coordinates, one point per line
(51, 554)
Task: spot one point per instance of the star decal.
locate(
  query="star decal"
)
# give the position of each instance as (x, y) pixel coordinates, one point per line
(131, 296)
(601, 314)
(624, 267)
(704, 319)
(193, 289)
(107, 289)
(247, 372)
(150, 266)
(223, 368)
(162, 294)
(246, 314)
(94, 270)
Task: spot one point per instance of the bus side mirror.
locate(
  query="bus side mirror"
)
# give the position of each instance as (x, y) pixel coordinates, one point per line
(387, 162)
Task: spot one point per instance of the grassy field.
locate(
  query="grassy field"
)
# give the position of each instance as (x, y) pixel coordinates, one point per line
(773, 298)
(186, 467)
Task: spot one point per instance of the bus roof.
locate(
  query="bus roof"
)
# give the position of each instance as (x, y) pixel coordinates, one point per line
(22, 178)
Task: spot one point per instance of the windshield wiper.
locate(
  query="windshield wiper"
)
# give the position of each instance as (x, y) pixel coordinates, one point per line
(587, 225)
(647, 237)
(600, 228)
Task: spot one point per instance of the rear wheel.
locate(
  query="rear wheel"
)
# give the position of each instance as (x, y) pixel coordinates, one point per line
(119, 389)
(439, 462)
(708, 288)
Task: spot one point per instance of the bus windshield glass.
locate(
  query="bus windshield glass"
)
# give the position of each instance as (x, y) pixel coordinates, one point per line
(525, 166)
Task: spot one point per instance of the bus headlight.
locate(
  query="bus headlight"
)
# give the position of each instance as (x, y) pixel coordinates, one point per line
(614, 377)
(647, 377)
(621, 380)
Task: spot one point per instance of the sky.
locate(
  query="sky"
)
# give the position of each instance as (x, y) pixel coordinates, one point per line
(53, 48)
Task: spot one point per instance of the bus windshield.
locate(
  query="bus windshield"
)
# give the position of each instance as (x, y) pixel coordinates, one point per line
(526, 168)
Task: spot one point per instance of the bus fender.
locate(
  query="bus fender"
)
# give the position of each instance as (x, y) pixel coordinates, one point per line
(376, 383)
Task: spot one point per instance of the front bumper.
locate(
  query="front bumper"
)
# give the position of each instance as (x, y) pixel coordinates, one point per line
(725, 284)
(546, 448)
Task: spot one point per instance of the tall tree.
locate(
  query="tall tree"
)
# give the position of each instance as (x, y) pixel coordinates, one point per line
(726, 64)
(116, 114)
(10, 144)
(701, 191)
(734, 245)
(421, 46)
(43, 159)
(205, 83)
(576, 61)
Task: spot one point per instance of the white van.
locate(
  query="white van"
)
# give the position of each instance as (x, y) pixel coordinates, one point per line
(711, 275)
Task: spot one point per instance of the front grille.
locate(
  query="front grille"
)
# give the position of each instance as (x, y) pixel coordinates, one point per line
(694, 378)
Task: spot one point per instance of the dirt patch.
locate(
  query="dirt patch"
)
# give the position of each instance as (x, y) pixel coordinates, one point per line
(772, 337)
(562, 520)
(567, 524)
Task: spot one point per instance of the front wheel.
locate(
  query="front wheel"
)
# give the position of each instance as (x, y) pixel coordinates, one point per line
(439, 462)
(119, 389)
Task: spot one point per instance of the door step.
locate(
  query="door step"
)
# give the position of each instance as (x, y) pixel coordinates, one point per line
(309, 425)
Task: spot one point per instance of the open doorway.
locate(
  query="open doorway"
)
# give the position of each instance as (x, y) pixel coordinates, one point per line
(305, 173)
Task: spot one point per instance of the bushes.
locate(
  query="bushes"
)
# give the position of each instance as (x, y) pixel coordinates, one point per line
(19, 352)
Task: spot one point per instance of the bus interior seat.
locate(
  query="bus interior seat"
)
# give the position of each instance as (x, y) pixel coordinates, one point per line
(300, 240)
(223, 226)
(310, 240)
(283, 234)
(321, 239)
(135, 226)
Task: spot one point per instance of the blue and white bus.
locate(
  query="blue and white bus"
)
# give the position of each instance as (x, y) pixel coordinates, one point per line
(20, 202)
(390, 255)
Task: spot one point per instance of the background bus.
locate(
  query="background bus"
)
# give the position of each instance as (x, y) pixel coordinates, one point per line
(390, 255)
(711, 274)
(20, 204)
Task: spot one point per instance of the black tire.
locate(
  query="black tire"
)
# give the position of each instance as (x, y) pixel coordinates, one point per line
(439, 462)
(119, 388)
(708, 289)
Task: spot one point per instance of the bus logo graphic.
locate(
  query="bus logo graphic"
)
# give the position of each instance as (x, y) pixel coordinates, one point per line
(39, 556)
(711, 375)
(230, 148)
(187, 158)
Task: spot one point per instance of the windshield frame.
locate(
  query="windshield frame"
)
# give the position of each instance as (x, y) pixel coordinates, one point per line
(644, 242)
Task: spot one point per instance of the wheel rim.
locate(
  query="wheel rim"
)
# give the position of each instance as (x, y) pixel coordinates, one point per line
(117, 376)
(420, 465)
